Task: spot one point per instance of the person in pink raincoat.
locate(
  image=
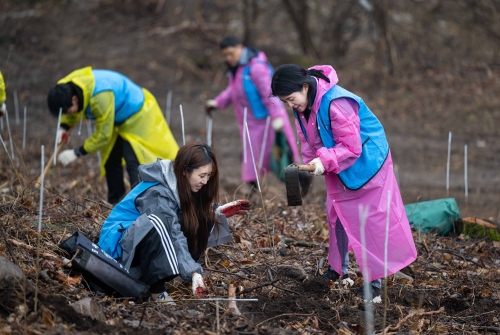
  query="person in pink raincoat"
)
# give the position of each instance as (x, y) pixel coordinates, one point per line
(346, 143)
(265, 115)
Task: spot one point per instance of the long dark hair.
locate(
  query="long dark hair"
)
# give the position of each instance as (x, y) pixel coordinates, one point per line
(290, 78)
(197, 209)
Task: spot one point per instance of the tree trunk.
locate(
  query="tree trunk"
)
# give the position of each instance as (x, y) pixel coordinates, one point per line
(298, 11)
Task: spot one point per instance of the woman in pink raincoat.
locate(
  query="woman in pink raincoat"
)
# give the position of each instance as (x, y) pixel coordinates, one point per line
(344, 140)
(249, 82)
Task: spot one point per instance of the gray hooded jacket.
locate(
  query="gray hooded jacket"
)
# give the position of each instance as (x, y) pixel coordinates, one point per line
(162, 198)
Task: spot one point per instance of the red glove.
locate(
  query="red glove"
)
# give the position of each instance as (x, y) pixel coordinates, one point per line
(199, 288)
(62, 136)
(234, 207)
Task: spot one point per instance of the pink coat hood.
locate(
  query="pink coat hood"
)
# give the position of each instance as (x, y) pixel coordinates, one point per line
(324, 86)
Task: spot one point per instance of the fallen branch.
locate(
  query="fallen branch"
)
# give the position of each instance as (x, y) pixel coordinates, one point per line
(409, 316)
(278, 316)
(64, 261)
(455, 253)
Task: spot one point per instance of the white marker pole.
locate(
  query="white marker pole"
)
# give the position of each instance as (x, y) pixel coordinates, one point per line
(80, 126)
(466, 184)
(4, 146)
(182, 122)
(363, 215)
(245, 130)
(209, 130)
(10, 135)
(386, 243)
(57, 135)
(169, 105)
(253, 159)
(24, 129)
(41, 191)
(98, 151)
(16, 106)
(448, 166)
(264, 142)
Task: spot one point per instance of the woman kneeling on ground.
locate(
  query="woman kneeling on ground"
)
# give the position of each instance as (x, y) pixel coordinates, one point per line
(346, 143)
(161, 227)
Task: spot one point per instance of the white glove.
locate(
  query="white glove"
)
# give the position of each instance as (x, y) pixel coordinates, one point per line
(3, 109)
(278, 123)
(199, 288)
(67, 156)
(62, 135)
(210, 105)
(320, 169)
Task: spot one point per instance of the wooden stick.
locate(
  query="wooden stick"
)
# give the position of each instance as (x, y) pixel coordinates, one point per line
(48, 166)
(419, 314)
(278, 316)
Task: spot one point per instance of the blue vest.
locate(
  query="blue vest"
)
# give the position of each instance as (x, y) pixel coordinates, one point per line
(375, 148)
(121, 217)
(129, 97)
(253, 96)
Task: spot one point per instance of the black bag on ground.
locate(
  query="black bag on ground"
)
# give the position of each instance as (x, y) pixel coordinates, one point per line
(102, 272)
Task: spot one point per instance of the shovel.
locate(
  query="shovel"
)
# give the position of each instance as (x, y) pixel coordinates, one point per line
(292, 183)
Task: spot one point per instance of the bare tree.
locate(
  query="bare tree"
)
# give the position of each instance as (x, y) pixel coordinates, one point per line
(341, 27)
(298, 11)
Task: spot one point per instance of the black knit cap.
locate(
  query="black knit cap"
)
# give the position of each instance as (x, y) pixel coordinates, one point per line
(60, 96)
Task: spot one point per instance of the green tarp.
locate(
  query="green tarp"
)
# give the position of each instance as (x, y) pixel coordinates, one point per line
(433, 216)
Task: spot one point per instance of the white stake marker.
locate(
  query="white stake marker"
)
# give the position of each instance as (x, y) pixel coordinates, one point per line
(98, 151)
(363, 215)
(253, 159)
(57, 135)
(4, 146)
(41, 191)
(182, 121)
(448, 166)
(466, 184)
(263, 148)
(245, 130)
(24, 129)
(80, 126)
(386, 242)
(10, 135)
(169, 105)
(210, 121)
(16, 106)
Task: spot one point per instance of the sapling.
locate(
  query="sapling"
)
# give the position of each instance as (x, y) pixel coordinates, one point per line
(169, 105)
(266, 130)
(448, 166)
(57, 134)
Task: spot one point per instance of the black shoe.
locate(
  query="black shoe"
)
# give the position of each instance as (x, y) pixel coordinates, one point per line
(330, 274)
(375, 293)
(305, 180)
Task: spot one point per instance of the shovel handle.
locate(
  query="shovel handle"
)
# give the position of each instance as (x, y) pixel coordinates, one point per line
(308, 168)
(48, 165)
